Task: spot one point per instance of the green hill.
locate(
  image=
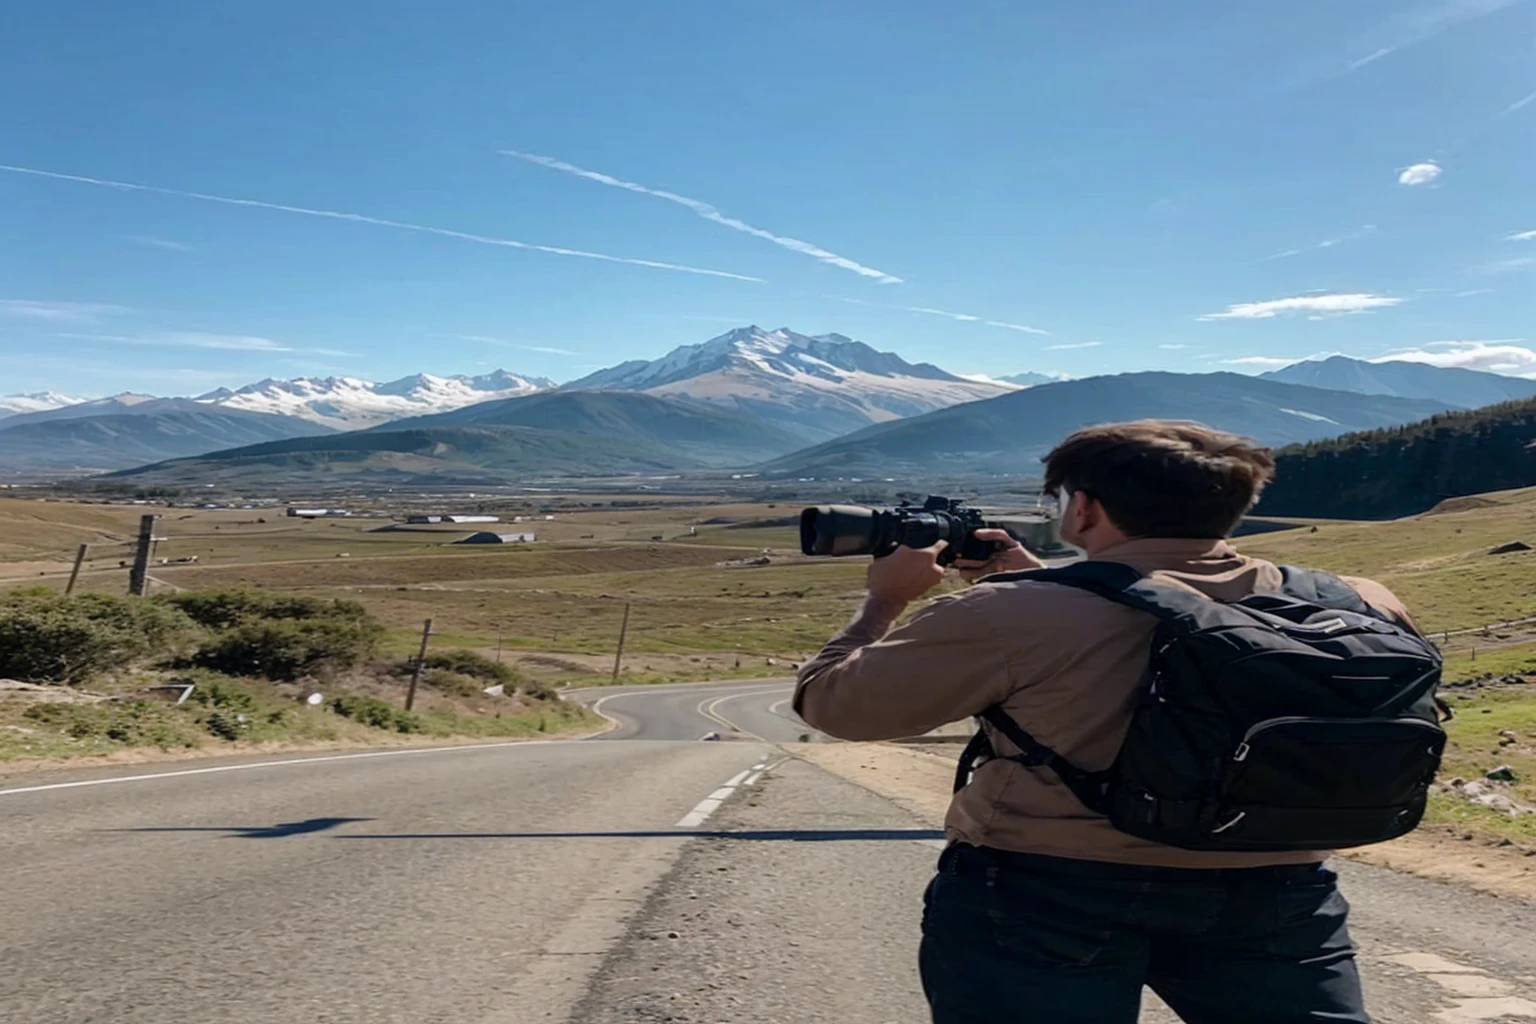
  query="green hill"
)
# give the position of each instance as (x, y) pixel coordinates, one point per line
(117, 440)
(708, 435)
(1398, 471)
(426, 455)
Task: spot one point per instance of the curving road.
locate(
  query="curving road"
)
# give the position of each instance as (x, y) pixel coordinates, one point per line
(755, 709)
(639, 877)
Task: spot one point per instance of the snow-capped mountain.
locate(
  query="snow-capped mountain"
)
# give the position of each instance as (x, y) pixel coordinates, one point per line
(37, 401)
(819, 386)
(350, 403)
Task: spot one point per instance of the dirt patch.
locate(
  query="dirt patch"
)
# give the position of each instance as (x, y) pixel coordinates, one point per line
(1446, 854)
(914, 778)
(919, 777)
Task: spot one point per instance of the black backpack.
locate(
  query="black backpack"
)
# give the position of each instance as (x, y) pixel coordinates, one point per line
(1300, 720)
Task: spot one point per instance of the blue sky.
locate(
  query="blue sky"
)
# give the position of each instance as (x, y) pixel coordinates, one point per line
(1176, 186)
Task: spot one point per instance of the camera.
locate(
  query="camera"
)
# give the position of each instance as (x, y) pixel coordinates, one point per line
(839, 530)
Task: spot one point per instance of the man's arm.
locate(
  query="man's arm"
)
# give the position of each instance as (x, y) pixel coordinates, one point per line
(872, 683)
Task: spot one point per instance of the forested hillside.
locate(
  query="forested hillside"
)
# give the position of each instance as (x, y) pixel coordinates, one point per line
(1398, 471)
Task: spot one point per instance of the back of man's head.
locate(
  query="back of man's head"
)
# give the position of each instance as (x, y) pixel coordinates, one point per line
(1162, 478)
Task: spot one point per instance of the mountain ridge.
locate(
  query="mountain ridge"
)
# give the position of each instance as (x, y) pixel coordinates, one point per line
(1458, 387)
(1008, 433)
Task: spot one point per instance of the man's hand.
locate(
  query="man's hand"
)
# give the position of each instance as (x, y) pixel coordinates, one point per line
(1012, 558)
(904, 575)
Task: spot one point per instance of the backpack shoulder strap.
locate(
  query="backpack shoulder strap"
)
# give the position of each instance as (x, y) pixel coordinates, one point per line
(1323, 589)
(1117, 582)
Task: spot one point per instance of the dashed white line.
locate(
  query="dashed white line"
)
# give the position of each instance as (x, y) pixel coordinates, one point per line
(275, 764)
(700, 814)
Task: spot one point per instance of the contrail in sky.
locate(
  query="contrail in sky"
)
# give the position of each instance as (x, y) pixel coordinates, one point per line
(358, 218)
(709, 212)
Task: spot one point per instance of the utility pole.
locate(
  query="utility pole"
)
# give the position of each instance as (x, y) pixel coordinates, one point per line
(74, 574)
(138, 576)
(498, 645)
(618, 656)
(421, 662)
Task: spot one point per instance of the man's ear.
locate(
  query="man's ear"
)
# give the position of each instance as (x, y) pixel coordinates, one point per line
(1088, 511)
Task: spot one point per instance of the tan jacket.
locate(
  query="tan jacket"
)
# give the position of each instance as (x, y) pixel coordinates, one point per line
(1064, 663)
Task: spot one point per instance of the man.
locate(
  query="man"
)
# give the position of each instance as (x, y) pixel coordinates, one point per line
(1041, 910)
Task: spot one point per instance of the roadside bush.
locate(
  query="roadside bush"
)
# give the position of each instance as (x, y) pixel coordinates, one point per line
(287, 650)
(229, 712)
(444, 681)
(468, 663)
(225, 609)
(372, 712)
(131, 723)
(48, 638)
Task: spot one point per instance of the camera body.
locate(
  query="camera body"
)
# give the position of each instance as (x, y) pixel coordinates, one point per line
(840, 530)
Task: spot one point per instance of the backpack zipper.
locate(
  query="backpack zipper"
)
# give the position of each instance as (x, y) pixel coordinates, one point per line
(1243, 748)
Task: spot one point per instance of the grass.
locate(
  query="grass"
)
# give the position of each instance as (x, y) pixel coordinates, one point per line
(1485, 718)
(1438, 562)
(773, 610)
(1514, 659)
(227, 715)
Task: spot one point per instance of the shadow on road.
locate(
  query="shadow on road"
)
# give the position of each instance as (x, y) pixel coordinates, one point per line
(279, 831)
(766, 835)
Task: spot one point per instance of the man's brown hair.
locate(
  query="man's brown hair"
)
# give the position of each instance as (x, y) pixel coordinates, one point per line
(1162, 478)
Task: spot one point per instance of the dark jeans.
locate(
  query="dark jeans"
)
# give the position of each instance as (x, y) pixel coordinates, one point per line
(1011, 938)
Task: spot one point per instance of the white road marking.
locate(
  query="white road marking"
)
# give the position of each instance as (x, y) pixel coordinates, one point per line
(597, 709)
(277, 764)
(751, 779)
(773, 709)
(700, 814)
(1478, 995)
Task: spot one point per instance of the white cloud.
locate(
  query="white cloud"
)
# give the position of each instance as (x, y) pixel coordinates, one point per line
(1411, 27)
(1474, 291)
(1173, 348)
(197, 339)
(1508, 356)
(1320, 305)
(1425, 173)
(1509, 266)
(504, 343)
(1522, 236)
(967, 318)
(58, 312)
(1068, 348)
(358, 218)
(1262, 362)
(151, 242)
(709, 212)
(1327, 243)
(1371, 58)
(1519, 104)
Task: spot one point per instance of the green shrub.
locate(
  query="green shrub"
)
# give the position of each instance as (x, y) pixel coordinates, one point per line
(375, 713)
(226, 609)
(444, 681)
(47, 637)
(468, 663)
(287, 650)
(230, 712)
(131, 723)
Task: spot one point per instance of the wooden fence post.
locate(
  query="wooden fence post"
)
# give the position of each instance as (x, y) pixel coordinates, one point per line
(421, 661)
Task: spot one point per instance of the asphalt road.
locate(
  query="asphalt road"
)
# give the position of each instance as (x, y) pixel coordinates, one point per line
(690, 711)
(647, 880)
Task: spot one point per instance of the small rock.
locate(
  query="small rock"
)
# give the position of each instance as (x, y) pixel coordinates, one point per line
(1503, 773)
(1505, 842)
(1512, 546)
(673, 935)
